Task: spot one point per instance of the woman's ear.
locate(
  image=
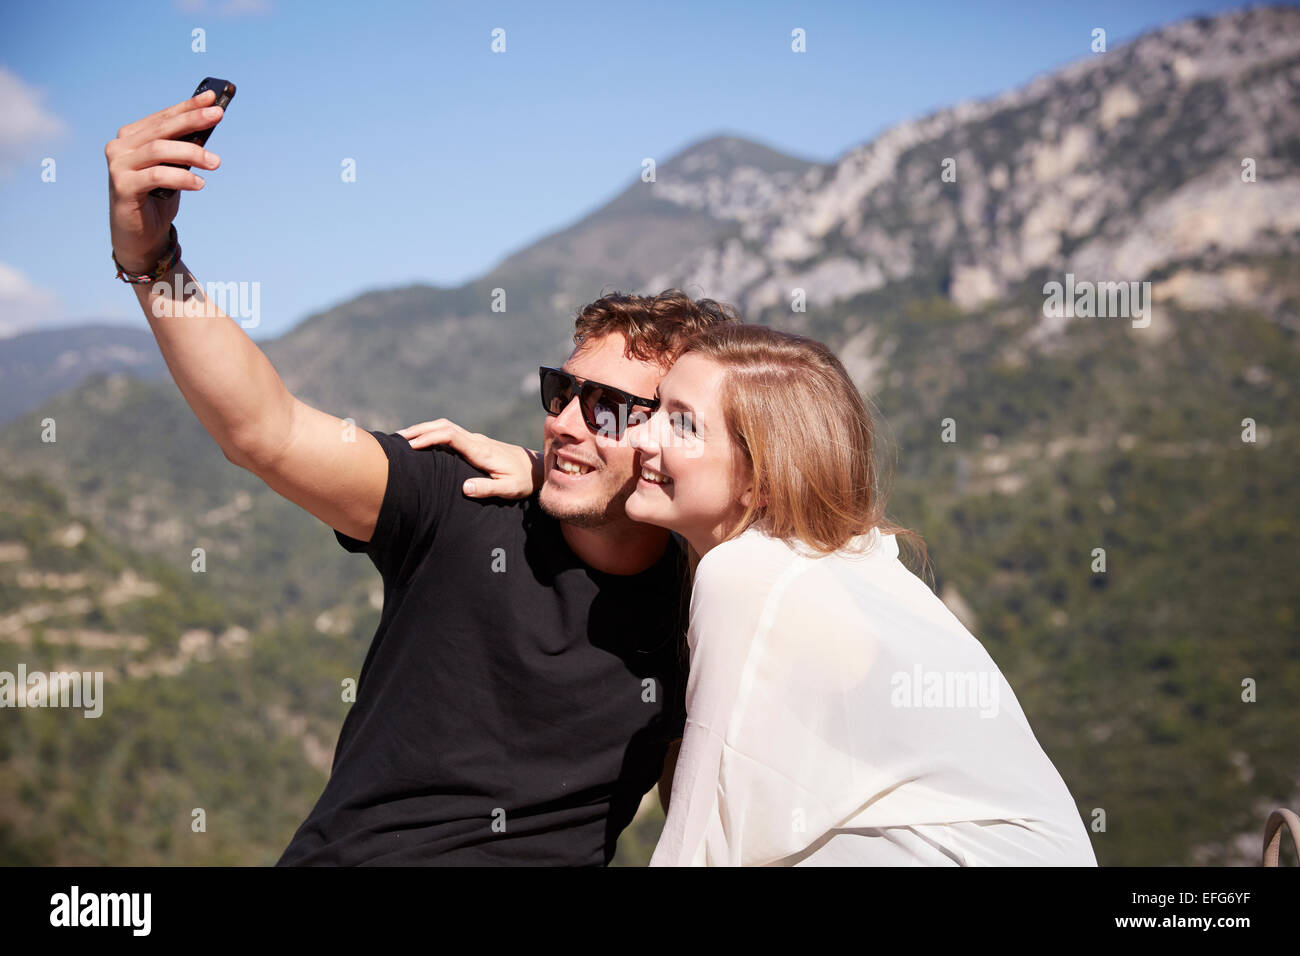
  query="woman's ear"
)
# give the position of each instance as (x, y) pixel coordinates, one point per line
(744, 478)
(747, 495)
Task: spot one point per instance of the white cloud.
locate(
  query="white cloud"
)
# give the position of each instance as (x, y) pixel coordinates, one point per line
(23, 305)
(25, 124)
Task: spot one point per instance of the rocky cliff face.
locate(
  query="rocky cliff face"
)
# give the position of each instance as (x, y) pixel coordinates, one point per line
(1123, 166)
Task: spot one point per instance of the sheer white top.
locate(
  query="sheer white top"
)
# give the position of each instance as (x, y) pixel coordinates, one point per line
(839, 714)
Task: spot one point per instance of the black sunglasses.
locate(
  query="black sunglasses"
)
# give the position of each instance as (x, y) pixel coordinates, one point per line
(605, 409)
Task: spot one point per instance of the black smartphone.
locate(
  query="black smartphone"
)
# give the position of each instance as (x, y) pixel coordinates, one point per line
(225, 93)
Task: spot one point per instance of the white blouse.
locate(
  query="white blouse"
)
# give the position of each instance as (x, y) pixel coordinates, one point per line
(838, 714)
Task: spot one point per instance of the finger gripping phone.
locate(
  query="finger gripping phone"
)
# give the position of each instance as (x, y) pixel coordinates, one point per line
(225, 93)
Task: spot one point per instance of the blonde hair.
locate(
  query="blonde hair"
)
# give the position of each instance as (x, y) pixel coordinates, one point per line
(805, 432)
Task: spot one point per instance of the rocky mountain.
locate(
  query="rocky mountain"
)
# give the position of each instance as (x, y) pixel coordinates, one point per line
(1110, 502)
(1125, 165)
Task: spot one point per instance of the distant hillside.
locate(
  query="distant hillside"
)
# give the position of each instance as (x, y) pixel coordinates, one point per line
(1068, 436)
(37, 365)
(203, 707)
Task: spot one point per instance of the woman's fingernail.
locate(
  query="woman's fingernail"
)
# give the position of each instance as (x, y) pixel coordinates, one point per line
(469, 487)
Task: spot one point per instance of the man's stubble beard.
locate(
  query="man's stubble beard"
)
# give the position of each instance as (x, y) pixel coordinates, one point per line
(591, 514)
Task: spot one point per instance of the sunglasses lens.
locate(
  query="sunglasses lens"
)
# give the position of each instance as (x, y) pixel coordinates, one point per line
(557, 391)
(603, 410)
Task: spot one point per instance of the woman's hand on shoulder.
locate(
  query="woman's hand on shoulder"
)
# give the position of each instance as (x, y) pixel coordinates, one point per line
(512, 471)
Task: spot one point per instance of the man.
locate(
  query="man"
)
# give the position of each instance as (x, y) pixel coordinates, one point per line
(525, 686)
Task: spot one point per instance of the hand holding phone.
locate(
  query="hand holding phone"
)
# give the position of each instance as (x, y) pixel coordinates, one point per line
(225, 91)
(139, 157)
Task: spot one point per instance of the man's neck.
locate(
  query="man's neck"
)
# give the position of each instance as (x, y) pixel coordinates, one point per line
(623, 547)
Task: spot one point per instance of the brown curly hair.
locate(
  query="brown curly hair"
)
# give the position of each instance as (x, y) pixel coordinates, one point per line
(656, 326)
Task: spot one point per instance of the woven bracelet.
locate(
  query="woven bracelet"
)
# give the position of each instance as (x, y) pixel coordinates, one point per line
(164, 266)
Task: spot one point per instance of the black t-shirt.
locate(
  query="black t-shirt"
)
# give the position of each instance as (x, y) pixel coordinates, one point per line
(515, 705)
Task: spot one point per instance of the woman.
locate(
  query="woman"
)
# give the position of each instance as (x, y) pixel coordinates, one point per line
(837, 712)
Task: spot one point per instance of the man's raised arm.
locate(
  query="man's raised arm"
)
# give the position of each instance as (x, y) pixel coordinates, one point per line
(227, 381)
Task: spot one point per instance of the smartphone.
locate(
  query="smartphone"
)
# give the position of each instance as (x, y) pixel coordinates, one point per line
(225, 93)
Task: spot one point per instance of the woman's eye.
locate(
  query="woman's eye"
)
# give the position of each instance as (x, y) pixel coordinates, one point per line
(683, 424)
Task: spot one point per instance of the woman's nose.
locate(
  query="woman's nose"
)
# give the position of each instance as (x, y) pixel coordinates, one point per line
(645, 436)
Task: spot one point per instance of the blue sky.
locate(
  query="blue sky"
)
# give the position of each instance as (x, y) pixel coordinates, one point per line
(463, 155)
